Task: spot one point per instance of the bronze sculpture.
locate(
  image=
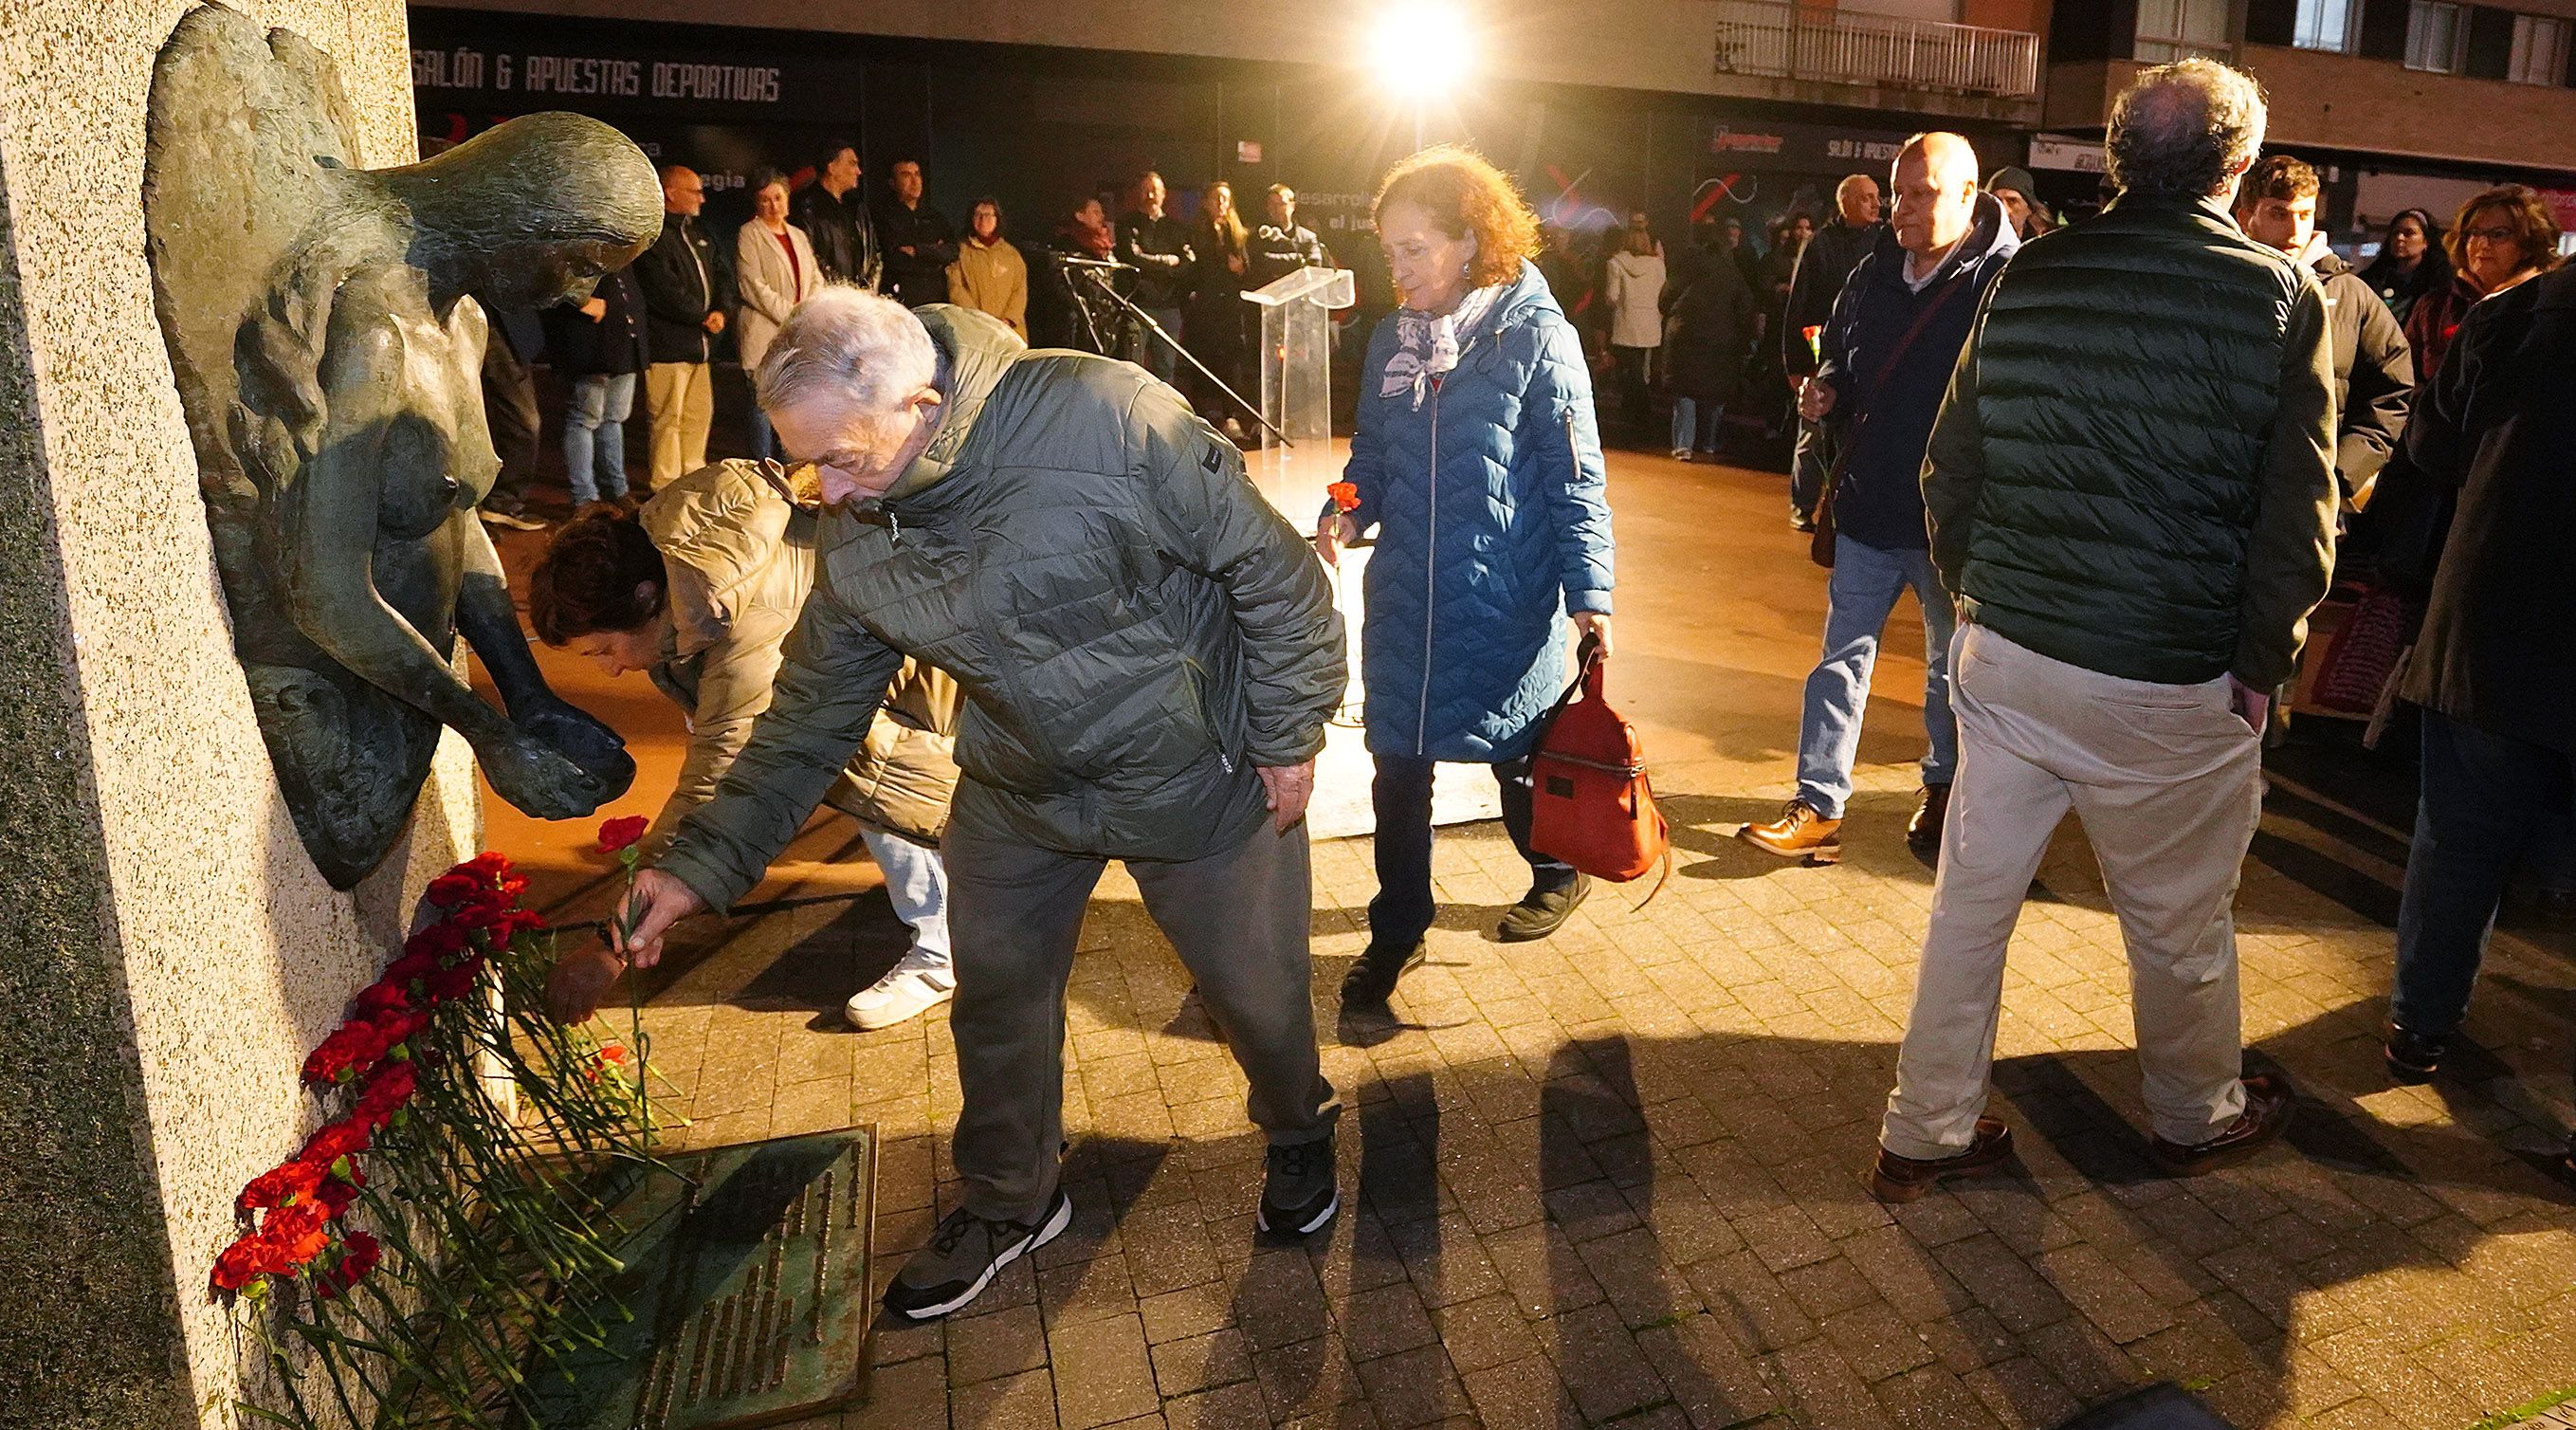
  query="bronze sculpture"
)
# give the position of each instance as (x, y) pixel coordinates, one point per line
(322, 326)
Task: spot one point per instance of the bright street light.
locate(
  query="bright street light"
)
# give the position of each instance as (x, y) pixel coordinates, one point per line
(1421, 48)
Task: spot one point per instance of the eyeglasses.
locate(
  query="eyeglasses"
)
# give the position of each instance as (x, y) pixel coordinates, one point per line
(2491, 235)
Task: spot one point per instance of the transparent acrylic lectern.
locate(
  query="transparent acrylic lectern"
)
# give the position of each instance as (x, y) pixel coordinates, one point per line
(1297, 351)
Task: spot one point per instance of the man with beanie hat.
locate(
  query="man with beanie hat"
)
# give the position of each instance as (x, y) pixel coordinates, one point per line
(2019, 194)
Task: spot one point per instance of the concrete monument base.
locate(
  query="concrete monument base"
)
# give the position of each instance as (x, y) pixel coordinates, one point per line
(168, 952)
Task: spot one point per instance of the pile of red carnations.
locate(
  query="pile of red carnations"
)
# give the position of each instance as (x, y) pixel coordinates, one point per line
(377, 1054)
(455, 1221)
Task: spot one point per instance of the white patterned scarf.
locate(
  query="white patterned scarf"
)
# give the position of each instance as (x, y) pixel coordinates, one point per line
(1427, 346)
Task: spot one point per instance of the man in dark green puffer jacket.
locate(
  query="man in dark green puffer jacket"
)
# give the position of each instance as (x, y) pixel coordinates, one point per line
(1148, 655)
(2131, 493)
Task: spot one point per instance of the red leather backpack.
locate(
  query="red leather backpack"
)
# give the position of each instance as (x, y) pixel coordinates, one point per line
(1590, 803)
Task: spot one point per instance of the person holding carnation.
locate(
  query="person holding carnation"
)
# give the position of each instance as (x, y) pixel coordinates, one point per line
(1478, 461)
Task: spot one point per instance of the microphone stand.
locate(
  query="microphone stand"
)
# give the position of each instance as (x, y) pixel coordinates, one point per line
(1100, 280)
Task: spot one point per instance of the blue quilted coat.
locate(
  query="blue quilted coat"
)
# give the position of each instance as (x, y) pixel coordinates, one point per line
(1493, 519)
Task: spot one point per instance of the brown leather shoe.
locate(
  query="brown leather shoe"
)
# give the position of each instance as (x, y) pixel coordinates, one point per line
(1799, 832)
(1923, 831)
(1904, 1179)
(2268, 1105)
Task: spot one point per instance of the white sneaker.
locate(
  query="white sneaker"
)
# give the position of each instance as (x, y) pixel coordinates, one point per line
(909, 989)
(1681, 454)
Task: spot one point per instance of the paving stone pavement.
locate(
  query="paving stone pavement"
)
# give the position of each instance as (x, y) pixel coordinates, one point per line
(1613, 1178)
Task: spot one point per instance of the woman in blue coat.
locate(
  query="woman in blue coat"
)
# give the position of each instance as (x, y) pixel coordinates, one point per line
(1477, 460)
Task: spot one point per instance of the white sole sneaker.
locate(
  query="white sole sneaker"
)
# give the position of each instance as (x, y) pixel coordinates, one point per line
(919, 997)
(1053, 1227)
(1261, 1217)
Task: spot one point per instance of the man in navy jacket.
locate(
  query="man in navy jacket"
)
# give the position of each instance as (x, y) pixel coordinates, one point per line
(1889, 350)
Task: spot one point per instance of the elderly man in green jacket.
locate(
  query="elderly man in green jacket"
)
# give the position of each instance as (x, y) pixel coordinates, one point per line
(2131, 494)
(1148, 654)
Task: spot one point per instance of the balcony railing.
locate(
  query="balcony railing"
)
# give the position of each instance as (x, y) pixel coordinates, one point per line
(1761, 37)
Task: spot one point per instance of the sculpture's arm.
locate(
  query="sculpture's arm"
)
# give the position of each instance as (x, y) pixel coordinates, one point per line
(489, 619)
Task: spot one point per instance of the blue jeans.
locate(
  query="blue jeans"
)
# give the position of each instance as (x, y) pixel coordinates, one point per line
(2484, 798)
(917, 885)
(595, 436)
(1695, 425)
(756, 429)
(1858, 600)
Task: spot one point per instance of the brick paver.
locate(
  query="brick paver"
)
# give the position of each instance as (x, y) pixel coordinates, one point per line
(1614, 1177)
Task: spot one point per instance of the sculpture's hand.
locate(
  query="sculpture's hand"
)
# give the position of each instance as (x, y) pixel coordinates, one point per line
(539, 781)
(579, 737)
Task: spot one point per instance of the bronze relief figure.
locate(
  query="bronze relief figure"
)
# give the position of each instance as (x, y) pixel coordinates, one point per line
(322, 323)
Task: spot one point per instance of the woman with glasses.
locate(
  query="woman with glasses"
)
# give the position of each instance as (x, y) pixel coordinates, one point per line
(2505, 236)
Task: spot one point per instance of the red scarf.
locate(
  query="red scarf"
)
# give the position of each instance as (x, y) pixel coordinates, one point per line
(1096, 239)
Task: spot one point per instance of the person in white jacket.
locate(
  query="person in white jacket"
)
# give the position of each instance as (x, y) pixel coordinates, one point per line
(775, 269)
(1633, 283)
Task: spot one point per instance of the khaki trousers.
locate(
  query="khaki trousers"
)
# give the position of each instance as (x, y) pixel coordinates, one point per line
(681, 398)
(1238, 919)
(2167, 781)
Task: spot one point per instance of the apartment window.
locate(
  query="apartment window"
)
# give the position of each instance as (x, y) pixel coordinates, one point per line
(2539, 50)
(2437, 36)
(2171, 30)
(2325, 25)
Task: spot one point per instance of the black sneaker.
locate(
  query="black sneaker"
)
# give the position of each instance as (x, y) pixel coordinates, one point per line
(964, 1256)
(1372, 978)
(1543, 911)
(2413, 1057)
(1301, 1192)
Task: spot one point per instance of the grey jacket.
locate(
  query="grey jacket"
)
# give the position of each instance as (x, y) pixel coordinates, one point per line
(1134, 629)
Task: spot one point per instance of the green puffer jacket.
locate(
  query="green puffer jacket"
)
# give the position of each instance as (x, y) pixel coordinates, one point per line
(1134, 628)
(2134, 469)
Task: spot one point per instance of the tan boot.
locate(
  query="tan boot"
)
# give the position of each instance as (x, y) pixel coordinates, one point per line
(1799, 833)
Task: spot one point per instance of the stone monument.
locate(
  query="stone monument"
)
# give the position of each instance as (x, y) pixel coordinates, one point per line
(169, 944)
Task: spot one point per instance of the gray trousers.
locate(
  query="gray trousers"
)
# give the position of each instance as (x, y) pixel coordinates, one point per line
(2168, 783)
(1238, 919)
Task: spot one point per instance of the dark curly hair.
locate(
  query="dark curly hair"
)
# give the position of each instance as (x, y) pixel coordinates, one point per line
(588, 580)
(1464, 193)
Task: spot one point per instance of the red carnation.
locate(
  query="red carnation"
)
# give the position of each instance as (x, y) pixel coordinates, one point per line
(455, 887)
(352, 1048)
(379, 998)
(1345, 495)
(616, 834)
(247, 1260)
(337, 1193)
(391, 1088)
(279, 1185)
(452, 983)
(297, 1233)
(358, 1256)
(491, 864)
(345, 1138)
(435, 943)
(399, 1026)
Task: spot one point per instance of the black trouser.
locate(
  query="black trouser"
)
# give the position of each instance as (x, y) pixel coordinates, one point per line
(1401, 795)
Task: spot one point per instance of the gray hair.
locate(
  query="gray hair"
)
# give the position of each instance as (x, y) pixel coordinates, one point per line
(2185, 129)
(867, 353)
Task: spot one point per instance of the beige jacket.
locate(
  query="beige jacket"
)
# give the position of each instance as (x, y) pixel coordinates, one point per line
(770, 289)
(992, 280)
(738, 543)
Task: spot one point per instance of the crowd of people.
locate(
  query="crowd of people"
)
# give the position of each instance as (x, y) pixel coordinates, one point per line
(1041, 621)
